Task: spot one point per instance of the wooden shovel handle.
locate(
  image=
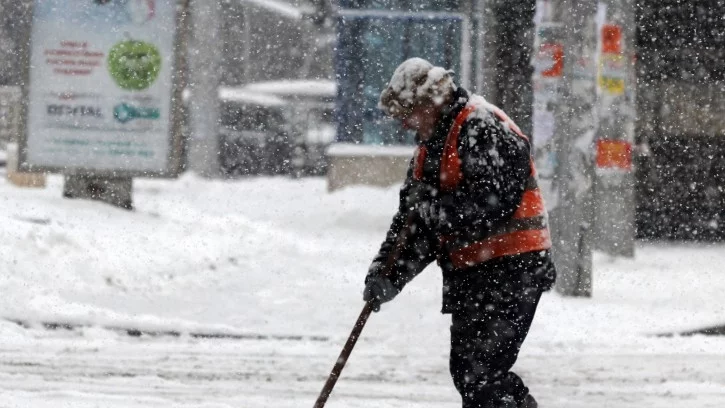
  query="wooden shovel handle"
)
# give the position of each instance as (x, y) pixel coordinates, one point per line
(363, 318)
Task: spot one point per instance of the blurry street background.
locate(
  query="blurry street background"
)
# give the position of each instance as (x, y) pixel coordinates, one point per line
(222, 263)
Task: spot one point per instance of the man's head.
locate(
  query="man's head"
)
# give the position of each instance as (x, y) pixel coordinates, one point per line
(417, 93)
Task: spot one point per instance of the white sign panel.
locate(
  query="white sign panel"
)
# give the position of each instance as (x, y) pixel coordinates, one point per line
(101, 85)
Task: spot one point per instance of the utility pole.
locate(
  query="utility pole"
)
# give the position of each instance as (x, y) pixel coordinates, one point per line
(485, 57)
(515, 38)
(205, 75)
(503, 40)
(614, 181)
(575, 125)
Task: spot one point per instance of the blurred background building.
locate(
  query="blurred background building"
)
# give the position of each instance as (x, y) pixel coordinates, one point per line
(681, 119)
(278, 89)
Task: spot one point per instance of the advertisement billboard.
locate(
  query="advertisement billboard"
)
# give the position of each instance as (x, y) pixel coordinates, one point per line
(100, 88)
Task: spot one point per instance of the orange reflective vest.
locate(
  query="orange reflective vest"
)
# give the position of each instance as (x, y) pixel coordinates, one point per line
(526, 231)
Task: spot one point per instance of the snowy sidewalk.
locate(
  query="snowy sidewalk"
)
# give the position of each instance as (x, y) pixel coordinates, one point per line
(277, 258)
(96, 369)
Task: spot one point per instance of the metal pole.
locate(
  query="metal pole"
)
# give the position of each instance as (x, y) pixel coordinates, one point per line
(205, 62)
(486, 46)
(515, 39)
(575, 127)
(247, 45)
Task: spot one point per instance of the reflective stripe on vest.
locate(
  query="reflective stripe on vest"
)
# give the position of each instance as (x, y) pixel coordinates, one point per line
(526, 231)
(420, 154)
(451, 174)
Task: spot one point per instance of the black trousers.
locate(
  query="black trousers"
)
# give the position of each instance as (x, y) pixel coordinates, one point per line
(487, 331)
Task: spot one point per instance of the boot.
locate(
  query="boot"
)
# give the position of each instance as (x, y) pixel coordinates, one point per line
(529, 402)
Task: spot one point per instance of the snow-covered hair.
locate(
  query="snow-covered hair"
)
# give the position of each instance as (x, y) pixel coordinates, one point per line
(416, 81)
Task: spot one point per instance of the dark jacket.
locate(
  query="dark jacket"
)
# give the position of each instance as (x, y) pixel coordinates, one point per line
(496, 166)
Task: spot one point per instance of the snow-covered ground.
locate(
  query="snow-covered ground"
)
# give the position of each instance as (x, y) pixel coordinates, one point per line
(280, 263)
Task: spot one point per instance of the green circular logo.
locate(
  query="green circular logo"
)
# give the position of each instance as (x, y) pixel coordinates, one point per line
(134, 65)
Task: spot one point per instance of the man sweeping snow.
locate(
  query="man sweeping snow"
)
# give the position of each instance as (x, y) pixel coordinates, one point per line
(476, 208)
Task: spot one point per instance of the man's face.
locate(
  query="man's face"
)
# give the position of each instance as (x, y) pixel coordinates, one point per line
(422, 118)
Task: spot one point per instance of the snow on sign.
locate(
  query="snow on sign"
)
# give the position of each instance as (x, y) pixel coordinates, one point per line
(612, 66)
(100, 87)
(614, 154)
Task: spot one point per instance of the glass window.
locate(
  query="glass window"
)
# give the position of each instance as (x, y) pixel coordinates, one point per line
(368, 51)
